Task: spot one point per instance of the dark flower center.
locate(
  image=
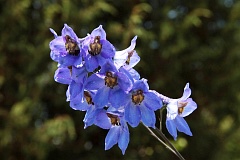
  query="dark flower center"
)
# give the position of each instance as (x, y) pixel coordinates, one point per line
(70, 68)
(114, 119)
(137, 97)
(129, 56)
(181, 106)
(88, 98)
(95, 47)
(110, 80)
(71, 46)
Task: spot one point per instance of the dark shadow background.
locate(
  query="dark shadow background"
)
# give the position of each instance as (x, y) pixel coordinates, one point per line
(179, 41)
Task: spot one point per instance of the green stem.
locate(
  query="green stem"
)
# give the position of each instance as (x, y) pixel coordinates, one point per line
(155, 136)
(169, 143)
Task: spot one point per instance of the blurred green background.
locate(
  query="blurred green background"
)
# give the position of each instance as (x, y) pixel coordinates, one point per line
(179, 41)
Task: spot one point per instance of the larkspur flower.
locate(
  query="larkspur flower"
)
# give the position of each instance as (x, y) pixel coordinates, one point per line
(104, 83)
(112, 86)
(141, 104)
(176, 110)
(128, 57)
(65, 49)
(97, 49)
(118, 133)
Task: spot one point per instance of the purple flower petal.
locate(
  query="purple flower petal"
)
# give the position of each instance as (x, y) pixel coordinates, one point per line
(108, 50)
(69, 31)
(79, 74)
(99, 32)
(67, 60)
(91, 63)
(63, 75)
(58, 45)
(78, 104)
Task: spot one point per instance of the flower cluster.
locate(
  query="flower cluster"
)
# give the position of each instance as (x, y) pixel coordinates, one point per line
(102, 82)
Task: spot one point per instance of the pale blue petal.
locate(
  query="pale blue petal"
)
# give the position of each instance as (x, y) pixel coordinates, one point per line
(121, 57)
(75, 89)
(117, 97)
(123, 138)
(89, 117)
(124, 82)
(94, 82)
(171, 127)
(102, 120)
(186, 92)
(140, 85)
(189, 108)
(152, 101)
(148, 116)
(101, 97)
(182, 125)
(112, 137)
(132, 114)
(53, 32)
(134, 59)
(108, 66)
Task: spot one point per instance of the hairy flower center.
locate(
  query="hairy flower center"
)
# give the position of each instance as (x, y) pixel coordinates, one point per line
(71, 46)
(110, 80)
(95, 47)
(88, 97)
(137, 97)
(181, 106)
(114, 119)
(129, 56)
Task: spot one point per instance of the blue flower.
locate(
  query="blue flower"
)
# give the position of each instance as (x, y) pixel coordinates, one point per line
(96, 49)
(141, 104)
(65, 49)
(176, 110)
(118, 132)
(112, 86)
(128, 57)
